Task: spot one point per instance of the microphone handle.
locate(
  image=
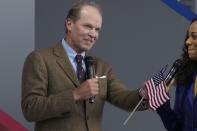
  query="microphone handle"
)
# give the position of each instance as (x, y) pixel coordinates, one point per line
(91, 75)
(170, 76)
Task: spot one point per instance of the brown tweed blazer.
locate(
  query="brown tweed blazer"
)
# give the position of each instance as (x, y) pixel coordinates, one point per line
(47, 83)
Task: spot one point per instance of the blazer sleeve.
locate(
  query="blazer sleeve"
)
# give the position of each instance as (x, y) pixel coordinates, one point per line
(170, 118)
(36, 104)
(119, 95)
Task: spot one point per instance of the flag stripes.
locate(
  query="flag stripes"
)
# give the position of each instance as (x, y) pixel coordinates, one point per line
(156, 91)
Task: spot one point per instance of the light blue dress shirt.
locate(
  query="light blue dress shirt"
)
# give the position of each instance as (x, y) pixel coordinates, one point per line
(71, 55)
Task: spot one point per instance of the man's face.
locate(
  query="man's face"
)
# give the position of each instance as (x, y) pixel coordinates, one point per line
(191, 42)
(83, 33)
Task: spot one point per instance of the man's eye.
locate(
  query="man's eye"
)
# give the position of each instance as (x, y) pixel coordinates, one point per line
(88, 26)
(97, 30)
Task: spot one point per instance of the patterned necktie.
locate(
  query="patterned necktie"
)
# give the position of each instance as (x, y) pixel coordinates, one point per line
(80, 70)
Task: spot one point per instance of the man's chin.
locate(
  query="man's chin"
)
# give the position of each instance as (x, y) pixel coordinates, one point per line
(86, 48)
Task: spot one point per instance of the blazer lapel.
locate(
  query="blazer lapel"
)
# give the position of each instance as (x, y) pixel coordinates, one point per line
(64, 63)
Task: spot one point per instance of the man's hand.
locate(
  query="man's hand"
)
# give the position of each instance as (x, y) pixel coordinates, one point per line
(143, 92)
(86, 90)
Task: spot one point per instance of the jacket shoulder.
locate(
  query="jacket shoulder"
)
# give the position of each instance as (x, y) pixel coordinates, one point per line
(42, 53)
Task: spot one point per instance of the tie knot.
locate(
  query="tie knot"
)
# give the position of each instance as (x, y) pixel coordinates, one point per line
(79, 59)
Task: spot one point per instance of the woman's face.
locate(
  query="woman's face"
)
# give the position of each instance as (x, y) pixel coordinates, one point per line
(191, 41)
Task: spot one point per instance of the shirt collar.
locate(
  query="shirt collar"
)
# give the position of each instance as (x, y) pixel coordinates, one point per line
(70, 52)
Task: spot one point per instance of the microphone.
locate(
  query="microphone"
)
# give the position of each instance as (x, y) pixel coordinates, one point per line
(177, 65)
(173, 71)
(90, 72)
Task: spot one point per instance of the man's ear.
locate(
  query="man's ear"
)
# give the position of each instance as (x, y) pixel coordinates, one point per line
(68, 24)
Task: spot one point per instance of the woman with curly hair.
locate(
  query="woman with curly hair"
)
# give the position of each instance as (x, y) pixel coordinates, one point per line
(183, 117)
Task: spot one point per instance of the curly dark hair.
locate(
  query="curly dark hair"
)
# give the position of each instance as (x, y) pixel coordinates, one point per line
(185, 74)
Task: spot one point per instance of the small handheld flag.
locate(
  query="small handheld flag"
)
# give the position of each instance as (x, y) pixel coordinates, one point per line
(156, 90)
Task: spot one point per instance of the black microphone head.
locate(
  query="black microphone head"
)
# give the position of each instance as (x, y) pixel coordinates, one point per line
(178, 63)
(89, 60)
(174, 70)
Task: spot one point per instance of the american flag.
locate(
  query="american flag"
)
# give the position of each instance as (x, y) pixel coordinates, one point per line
(156, 91)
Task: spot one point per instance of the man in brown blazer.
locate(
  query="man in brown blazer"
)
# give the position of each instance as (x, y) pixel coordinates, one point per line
(52, 95)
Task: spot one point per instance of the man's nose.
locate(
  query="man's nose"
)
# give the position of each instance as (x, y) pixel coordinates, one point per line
(93, 33)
